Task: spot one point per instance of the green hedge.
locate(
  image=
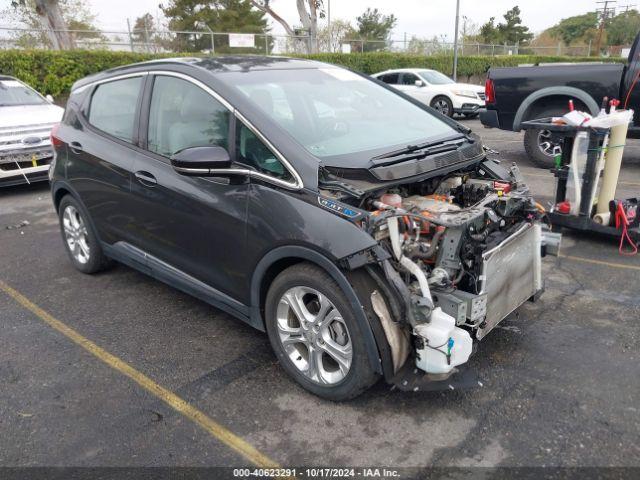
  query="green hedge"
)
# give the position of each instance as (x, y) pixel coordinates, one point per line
(53, 72)
(467, 65)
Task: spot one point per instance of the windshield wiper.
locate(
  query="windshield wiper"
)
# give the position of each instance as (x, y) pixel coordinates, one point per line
(411, 152)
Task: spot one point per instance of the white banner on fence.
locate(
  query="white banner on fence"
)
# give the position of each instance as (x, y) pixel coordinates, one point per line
(246, 40)
(346, 48)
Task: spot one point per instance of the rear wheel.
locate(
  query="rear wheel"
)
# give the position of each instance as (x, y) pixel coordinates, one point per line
(313, 330)
(540, 148)
(443, 105)
(80, 241)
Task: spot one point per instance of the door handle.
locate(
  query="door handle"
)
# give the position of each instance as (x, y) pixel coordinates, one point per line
(76, 147)
(146, 179)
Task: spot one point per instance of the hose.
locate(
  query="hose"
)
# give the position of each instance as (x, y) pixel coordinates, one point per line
(633, 84)
(431, 251)
(411, 267)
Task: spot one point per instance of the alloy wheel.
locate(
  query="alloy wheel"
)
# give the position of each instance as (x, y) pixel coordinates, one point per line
(314, 335)
(442, 106)
(75, 233)
(546, 145)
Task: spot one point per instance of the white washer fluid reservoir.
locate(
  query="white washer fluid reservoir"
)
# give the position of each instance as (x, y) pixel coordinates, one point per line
(445, 345)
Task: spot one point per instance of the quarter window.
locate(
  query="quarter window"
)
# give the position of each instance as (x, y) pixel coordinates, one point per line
(113, 107)
(255, 154)
(183, 115)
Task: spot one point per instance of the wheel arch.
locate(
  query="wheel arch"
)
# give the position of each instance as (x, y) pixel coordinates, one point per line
(59, 190)
(535, 99)
(278, 259)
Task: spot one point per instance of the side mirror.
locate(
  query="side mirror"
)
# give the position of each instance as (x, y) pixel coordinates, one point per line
(49, 98)
(199, 161)
(419, 83)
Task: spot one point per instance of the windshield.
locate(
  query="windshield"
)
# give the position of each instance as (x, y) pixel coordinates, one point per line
(333, 112)
(435, 78)
(14, 93)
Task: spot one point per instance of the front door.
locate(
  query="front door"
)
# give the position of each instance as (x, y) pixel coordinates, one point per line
(194, 224)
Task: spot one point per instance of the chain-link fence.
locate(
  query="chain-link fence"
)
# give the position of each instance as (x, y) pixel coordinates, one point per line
(207, 41)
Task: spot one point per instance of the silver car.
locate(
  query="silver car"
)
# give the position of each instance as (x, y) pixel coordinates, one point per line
(26, 119)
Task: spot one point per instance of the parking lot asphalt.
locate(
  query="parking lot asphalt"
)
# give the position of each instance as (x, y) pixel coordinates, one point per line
(560, 379)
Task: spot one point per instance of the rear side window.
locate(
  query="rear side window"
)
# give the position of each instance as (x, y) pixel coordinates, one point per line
(183, 115)
(390, 78)
(113, 107)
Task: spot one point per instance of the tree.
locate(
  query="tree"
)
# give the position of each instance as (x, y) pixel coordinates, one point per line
(141, 28)
(511, 31)
(224, 16)
(374, 26)
(330, 39)
(54, 18)
(308, 10)
(577, 29)
(489, 32)
(623, 28)
(469, 31)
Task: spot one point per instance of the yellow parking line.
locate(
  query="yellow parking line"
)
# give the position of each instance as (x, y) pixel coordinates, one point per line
(600, 262)
(227, 437)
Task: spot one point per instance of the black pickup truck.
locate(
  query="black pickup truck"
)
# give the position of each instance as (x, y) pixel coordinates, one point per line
(516, 94)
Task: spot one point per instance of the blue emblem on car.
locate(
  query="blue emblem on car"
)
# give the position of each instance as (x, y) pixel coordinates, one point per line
(337, 208)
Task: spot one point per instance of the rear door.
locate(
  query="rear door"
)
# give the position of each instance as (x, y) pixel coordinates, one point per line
(392, 78)
(101, 148)
(193, 224)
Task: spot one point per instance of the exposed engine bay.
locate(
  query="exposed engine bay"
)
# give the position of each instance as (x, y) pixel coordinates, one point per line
(459, 253)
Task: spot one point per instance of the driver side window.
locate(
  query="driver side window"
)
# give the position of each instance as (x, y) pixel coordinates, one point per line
(182, 115)
(255, 154)
(409, 79)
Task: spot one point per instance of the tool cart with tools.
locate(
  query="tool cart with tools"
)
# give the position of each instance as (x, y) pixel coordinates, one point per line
(587, 173)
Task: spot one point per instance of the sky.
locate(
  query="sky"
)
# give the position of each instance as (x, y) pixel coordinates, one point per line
(423, 18)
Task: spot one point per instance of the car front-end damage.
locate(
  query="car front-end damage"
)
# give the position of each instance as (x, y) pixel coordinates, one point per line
(457, 251)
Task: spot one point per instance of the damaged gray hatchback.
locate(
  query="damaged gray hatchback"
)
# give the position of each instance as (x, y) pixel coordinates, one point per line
(367, 234)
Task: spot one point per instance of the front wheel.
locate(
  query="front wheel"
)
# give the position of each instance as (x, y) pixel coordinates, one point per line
(443, 105)
(313, 331)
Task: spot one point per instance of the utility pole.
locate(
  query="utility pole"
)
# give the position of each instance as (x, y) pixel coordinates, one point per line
(330, 46)
(455, 43)
(130, 37)
(603, 19)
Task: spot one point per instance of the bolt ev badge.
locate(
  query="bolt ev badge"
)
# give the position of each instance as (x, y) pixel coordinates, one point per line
(337, 208)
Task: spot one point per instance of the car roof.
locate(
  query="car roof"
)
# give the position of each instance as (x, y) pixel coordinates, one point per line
(7, 77)
(215, 65)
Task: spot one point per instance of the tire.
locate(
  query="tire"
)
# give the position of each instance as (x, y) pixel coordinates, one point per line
(443, 105)
(313, 291)
(534, 138)
(535, 146)
(79, 239)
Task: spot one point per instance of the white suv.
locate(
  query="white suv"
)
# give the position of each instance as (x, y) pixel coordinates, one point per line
(436, 90)
(26, 119)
